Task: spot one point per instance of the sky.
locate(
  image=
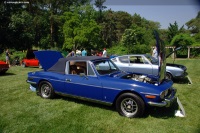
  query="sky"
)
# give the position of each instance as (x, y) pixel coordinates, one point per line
(162, 11)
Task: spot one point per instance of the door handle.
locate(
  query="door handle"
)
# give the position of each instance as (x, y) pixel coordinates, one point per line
(68, 80)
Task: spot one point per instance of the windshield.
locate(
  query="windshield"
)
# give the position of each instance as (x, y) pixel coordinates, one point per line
(152, 59)
(105, 67)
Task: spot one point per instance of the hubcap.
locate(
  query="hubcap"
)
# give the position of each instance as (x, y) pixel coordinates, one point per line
(129, 106)
(45, 90)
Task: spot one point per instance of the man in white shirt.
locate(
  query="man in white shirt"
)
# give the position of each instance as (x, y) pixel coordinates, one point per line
(104, 53)
(155, 53)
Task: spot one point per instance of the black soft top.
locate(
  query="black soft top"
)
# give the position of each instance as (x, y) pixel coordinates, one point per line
(59, 66)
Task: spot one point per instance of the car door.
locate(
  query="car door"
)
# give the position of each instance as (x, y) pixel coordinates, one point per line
(85, 85)
(140, 65)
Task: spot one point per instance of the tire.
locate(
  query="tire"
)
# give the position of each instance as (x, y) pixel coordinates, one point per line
(46, 90)
(130, 105)
(23, 64)
(40, 66)
(168, 76)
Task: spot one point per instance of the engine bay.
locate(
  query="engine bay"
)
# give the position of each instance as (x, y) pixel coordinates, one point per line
(140, 78)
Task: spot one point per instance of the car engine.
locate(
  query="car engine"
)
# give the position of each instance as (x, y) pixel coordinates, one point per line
(141, 78)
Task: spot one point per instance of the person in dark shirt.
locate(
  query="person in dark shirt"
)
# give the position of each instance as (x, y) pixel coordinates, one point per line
(7, 57)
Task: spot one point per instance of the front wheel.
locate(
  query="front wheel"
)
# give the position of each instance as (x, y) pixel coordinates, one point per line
(23, 64)
(46, 90)
(130, 105)
(168, 76)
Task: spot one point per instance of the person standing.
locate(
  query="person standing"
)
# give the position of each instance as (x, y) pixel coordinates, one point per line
(104, 53)
(84, 52)
(155, 53)
(8, 57)
(72, 53)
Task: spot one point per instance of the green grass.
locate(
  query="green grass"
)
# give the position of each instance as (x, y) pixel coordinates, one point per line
(21, 110)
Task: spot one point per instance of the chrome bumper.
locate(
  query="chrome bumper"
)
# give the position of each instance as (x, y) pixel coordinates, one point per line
(32, 88)
(166, 102)
(181, 76)
(30, 82)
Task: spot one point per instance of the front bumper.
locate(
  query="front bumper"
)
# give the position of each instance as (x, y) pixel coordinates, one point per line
(166, 102)
(32, 88)
(181, 76)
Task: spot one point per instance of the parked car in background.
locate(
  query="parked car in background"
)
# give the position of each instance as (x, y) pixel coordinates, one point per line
(30, 60)
(147, 64)
(98, 79)
(16, 61)
(3, 67)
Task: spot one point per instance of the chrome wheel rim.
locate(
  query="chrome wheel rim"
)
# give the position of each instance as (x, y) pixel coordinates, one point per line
(45, 90)
(168, 76)
(129, 107)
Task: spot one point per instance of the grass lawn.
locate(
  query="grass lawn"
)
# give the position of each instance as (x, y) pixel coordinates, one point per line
(21, 110)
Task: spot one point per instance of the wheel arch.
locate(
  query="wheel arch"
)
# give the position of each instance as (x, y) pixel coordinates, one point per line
(127, 91)
(38, 90)
(172, 76)
(38, 85)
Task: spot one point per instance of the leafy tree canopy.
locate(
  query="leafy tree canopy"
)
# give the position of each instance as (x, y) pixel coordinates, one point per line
(182, 39)
(80, 29)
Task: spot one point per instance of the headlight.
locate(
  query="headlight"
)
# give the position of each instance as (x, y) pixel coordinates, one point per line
(163, 94)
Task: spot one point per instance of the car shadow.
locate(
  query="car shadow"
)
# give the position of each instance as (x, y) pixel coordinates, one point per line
(157, 112)
(162, 112)
(185, 80)
(7, 74)
(86, 102)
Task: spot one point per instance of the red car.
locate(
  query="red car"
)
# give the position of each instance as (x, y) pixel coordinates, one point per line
(30, 60)
(3, 67)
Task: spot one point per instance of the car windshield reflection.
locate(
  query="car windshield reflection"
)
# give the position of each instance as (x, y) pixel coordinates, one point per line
(105, 67)
(152, 59)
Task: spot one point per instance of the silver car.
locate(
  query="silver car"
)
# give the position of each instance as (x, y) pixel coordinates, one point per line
(146, 64)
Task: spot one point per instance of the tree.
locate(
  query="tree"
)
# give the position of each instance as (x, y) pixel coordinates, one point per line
(182, 39)
(194, 27)
(22, 32)
(113, 26)
(101, 7)
(108, 31)
(123, 21)
(80, 29)
(174, 30)
(130, 40)
(194, 24)
(144, 30)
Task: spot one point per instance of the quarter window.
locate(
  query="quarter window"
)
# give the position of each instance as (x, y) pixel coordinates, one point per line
(124, 59)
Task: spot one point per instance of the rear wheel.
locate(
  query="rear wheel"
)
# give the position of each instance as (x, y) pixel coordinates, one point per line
(46, 90)
(130, 105)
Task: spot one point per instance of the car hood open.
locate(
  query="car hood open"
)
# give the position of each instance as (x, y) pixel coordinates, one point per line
(161, 58)
(47, 58)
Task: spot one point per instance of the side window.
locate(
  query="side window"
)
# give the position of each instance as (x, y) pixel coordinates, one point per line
(136, 60)
(124, 59)
(77, 67)
(90, 70)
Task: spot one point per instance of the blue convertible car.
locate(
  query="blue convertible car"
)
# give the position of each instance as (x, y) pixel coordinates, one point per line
(98, 79)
